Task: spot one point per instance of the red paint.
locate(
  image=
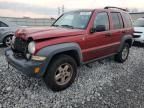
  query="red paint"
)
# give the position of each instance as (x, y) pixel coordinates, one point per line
(93, 45)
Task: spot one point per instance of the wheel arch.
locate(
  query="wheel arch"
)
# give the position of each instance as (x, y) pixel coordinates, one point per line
(71, 49)
(73, 53)
(125, 39)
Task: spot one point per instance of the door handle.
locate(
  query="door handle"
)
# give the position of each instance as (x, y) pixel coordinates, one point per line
(108, 34)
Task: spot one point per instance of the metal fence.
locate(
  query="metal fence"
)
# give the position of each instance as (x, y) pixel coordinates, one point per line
(29, 21)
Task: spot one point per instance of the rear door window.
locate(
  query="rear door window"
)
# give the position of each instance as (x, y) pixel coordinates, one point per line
(117, 20)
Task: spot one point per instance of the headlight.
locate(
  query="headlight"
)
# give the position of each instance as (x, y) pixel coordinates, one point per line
(31, 47)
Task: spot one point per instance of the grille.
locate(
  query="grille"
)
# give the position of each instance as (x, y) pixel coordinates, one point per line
(136, 36)
(20, 45)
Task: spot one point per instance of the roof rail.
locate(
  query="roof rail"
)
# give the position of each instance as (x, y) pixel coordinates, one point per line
(107, 7)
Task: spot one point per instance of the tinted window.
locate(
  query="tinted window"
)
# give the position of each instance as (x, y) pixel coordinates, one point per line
(127, 19)
(3, 24)
(121, 20)
(102, 19)
(117, 20)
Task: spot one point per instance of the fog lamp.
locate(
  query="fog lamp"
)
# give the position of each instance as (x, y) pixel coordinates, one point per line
(36, 70)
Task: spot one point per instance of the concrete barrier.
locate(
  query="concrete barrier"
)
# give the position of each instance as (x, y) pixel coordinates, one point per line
(29, 21)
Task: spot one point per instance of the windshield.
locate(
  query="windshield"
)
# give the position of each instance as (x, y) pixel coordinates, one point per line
(77, 19)
(139, 23)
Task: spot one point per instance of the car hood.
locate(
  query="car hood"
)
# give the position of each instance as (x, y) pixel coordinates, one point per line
(139, 29)
(37, 33)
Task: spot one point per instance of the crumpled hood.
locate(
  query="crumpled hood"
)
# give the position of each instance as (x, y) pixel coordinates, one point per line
(37, 33)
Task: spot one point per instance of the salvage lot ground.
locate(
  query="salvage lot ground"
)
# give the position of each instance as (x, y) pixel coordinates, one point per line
(106, 85)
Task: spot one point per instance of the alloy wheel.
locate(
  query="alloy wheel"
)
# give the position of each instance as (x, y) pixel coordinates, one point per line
(63, 74)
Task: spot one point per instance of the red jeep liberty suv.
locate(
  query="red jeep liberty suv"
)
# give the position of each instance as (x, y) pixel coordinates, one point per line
(75, 38)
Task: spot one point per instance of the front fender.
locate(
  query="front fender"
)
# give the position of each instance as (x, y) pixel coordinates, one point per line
(51, 51)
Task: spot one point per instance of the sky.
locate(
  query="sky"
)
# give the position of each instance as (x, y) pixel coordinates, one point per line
(49, 8)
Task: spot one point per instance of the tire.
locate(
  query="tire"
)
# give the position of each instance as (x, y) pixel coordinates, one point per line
(7, 41)
(64, 68)
(123, 54)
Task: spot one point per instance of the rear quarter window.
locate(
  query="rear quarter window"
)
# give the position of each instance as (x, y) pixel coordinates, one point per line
(127, 20)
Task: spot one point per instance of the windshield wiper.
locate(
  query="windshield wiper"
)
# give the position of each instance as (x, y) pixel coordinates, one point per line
(68, 26)
(55, 25)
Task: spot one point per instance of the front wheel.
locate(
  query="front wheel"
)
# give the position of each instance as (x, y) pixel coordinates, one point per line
(123, 54)
(61, 73)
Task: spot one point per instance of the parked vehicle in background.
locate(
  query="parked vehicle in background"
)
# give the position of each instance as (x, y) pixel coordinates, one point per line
(139, 30)
(7, 30)
(76, 38)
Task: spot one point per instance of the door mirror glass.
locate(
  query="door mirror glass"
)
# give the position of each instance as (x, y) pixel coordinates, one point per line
(98, 28)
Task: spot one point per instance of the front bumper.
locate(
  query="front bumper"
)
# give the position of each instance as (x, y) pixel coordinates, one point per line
(25, 66)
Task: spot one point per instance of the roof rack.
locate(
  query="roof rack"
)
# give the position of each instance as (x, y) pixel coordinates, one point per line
(115, 8)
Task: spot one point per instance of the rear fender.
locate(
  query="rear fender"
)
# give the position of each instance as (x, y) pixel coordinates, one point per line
(123, 40)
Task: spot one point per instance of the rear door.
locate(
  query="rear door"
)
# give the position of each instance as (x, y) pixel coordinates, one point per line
(117, 29)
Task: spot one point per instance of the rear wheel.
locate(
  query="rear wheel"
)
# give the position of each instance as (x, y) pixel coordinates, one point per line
(123, 54)
(61, 73)
(7, 41)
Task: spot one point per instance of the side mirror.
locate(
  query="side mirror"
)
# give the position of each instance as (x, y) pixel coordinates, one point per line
(98, 28)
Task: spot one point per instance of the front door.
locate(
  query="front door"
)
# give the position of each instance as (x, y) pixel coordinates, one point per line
(99, 42)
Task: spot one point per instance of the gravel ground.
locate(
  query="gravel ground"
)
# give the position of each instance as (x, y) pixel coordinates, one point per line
(106, 85)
